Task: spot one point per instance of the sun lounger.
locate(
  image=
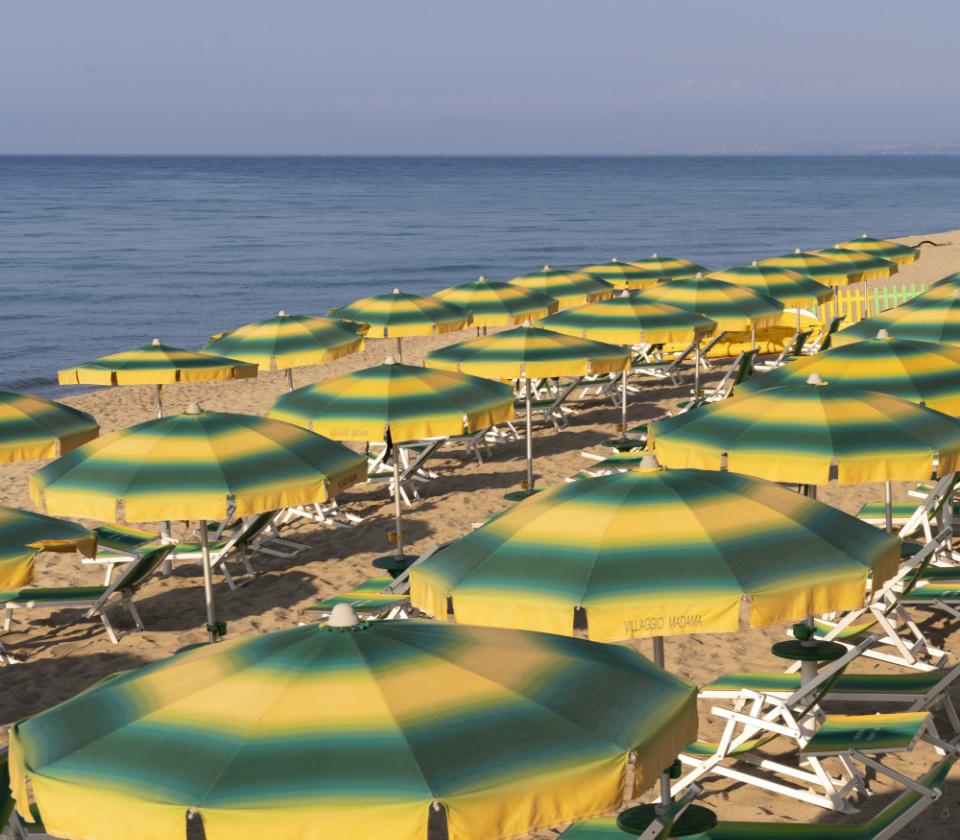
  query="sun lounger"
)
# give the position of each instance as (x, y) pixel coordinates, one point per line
(94, 599)
(240, 544)
(887, 824)
(823, 340)
(901, 641)
(754, 720)
(792, 349)
(740, 368)
(919, 690)
(666, 369)
(378, 597)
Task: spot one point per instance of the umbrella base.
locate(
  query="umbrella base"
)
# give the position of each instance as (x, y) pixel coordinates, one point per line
(395, 565)
(806, 652)
(520, 495)
(694, 820)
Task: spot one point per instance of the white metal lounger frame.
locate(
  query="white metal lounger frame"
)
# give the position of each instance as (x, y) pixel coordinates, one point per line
(757, 715)
(895, 626)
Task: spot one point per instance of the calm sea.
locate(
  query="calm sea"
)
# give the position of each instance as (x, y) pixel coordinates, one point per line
(99, 254)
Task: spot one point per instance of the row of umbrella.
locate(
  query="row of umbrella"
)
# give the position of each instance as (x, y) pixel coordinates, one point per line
(290, 341)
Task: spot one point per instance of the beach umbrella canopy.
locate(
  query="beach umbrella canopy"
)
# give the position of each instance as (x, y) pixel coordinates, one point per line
(657, 269)
(569, 287)
(400, 314)
(351, 731)
(395, 403)
(654, 552)
(529, 353)
(156, 364)
(803, 432)
(895, 251)
(624, 275)
(34, 428)
(288, 341)
(791, 288)
(868, 266)
(933, 316)
(952, 280)
(733, 307)
(918, 371)
(630, 319)
(23, 534)
(196, 465)
(494, 304)
(822, 269)
(412, 402)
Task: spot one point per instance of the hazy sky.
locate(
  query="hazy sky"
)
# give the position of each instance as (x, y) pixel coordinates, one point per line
(499, 76)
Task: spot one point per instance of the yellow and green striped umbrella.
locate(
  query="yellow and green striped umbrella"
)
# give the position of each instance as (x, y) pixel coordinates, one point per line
(379, 729)
(657, 269)
(529, 353)
(156, 364)
(400, 314)
(396, 403)
(952, 280)
(803, 432)
(933, 316)
(196, 465)
(630, 319)
(791, 288)
(412, 402)
(626, 275)
(23, 534)
(895, 251)
(822, 269)
(32, 428)
(918, 371)
(733, 307)
(288, 341)
(656, 552)
(569, 287)
(867, 265)
(494, 304)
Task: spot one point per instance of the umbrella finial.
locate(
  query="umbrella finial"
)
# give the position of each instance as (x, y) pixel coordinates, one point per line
(754, 264)
(389, 360)
(698, 276)
(864, 236)
(649, 462)
(546, 268)
(883, 334)
(653, 256)
(342, 615)
(396, 291)
(625, 293)
(482, 278)
(156, 342)
(815, 379)
(193, 408)
(797, 251)
(282, 313)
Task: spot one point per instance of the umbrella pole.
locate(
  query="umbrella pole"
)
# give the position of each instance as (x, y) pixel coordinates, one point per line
(529, 440)
(623, 410)
(399, 350)
(696, 373)
(888, 505)
(753, 336)
(289, 379)
(159, 401)
(396, 501)
(658, 651)
(207, 581)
